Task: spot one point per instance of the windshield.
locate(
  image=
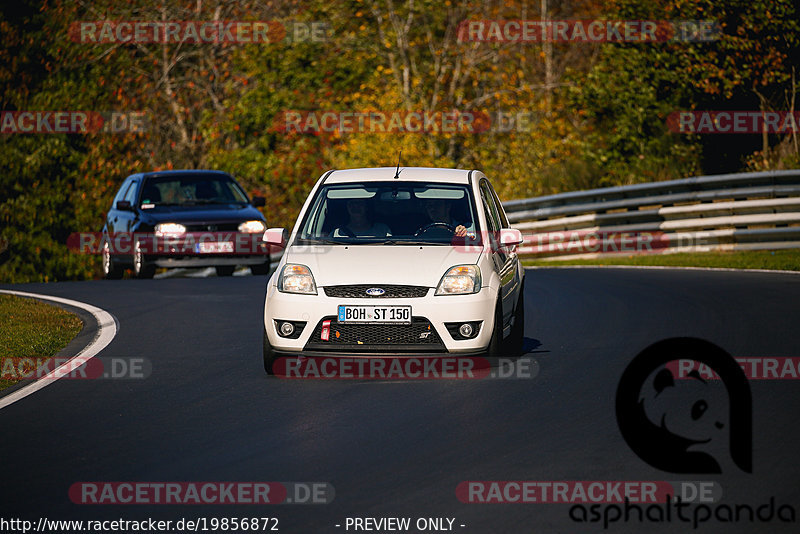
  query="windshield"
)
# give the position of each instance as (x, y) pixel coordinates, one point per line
(190, 190)
(391, 213)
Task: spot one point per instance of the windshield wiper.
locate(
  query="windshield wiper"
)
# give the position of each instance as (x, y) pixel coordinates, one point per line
(410, 242)
(321, 241)
(202, 201)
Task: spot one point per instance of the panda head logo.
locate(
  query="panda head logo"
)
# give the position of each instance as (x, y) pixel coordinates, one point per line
(685, 424)
(691, 409)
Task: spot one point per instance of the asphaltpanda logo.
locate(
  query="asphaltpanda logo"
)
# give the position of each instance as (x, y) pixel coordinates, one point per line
(685, 424)
(678, 422)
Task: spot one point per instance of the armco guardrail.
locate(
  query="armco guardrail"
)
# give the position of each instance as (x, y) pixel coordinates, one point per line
(746, 211)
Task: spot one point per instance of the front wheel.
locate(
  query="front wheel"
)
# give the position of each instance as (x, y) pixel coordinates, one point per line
(111, 271)
(495, 348)
(141, 269)
(269, 355)
(517, 337)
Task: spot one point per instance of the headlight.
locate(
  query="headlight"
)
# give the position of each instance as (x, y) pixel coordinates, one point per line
(460, 280)
(252, 227)
(169, 229)
(297, 279)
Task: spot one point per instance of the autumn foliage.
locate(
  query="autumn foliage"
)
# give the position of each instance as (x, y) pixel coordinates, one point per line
(565, 115)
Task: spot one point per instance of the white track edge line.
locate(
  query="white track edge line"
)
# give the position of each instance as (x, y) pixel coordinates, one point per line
(106, 330)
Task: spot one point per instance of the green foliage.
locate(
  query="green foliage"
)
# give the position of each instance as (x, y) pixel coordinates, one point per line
(625, 103)
(632, 88)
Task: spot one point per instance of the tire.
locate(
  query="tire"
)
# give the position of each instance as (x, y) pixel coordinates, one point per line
(260, 270)
(111, 271)
(269, 355)
(516, 338)
(225, 270)
(495, 349)
(141, 269)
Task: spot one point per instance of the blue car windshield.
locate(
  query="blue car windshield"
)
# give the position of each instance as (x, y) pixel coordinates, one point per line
(189, 190)
(391, 213)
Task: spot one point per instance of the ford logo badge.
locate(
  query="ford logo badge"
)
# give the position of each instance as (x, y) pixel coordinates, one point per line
(375, 292)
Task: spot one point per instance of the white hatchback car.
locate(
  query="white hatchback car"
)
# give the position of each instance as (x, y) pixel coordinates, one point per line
(420, 262)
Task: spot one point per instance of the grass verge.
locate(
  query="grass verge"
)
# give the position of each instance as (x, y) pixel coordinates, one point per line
(31, 329)
(785, 260)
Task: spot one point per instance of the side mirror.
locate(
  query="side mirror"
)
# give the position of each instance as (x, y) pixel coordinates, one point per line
(259, 202)
(277, 237)
(510, 237)
(124, 205)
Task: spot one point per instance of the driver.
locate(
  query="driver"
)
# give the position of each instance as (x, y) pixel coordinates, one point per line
(360, 222)
(438, 211)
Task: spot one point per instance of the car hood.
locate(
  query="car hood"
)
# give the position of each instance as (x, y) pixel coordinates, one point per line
(380, 264)
(207, 214)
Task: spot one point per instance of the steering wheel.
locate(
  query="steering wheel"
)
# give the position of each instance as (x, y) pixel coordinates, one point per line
(345, 232)
(423, 229)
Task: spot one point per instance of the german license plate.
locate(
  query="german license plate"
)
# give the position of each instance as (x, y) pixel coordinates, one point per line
(375, 314)
(214, 247)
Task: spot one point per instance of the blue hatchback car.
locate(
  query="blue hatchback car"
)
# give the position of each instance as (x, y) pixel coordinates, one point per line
(186, 218)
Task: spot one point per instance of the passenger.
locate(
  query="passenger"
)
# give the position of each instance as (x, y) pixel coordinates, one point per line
(361, 222)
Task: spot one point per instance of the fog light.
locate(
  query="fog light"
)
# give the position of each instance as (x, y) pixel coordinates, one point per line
(287, 328)
(465, 330)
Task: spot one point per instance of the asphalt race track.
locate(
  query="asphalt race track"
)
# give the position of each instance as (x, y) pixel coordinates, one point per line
(395, 448)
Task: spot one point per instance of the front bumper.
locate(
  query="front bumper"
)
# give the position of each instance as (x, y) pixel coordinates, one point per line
(205, 260)
(182, 251)
(430, 309)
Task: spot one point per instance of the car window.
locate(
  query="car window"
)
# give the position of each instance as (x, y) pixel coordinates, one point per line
(490, 220)
(130, 195)
(499, 206)
(405, 212)
(190, 189)
(122, 190)
(488, 198)
(493, 219)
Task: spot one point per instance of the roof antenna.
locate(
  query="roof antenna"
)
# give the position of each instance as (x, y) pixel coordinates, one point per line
(397, 174)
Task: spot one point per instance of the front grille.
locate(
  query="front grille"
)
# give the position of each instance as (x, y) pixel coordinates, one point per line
(420, 334)
(390, 291)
